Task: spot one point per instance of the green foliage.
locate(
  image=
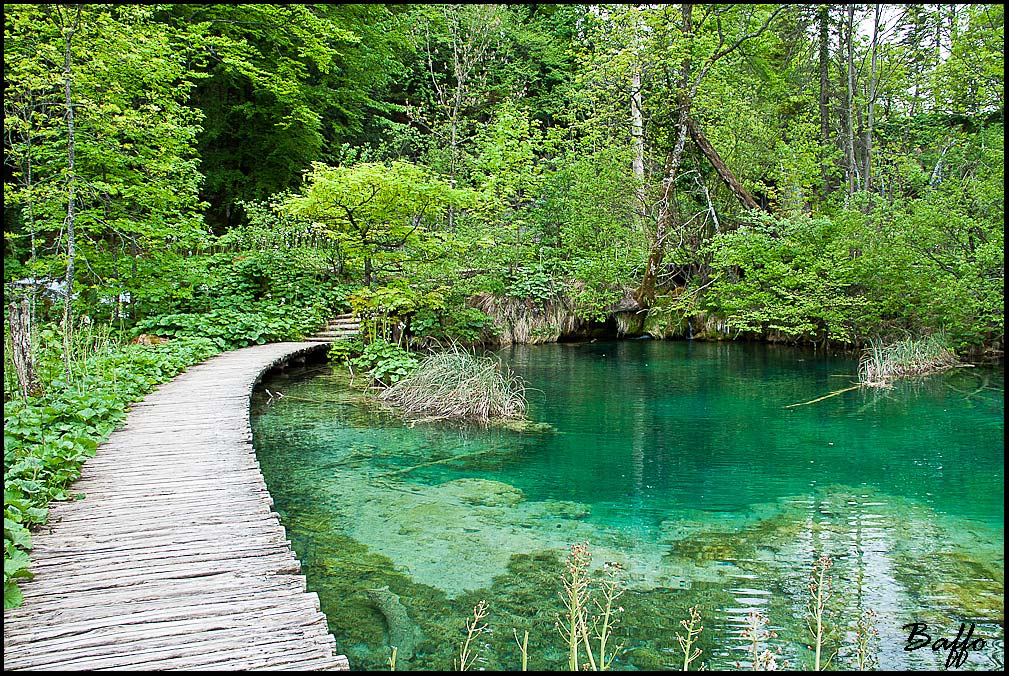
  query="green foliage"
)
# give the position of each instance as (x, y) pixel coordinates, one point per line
(136, 172)
(384, 363)
(343, 350)
(277, 83)
(274, 259)
(47, 438)
(532, 282)
(795, 276)
(454, 324)
(230, 329)
(377, 215)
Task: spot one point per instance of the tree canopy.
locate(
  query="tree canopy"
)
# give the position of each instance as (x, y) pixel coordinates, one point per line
(825, 172)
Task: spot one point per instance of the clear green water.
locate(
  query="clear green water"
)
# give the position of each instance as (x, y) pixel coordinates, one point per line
(680, 461)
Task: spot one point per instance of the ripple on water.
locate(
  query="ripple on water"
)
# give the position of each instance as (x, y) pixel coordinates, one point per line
(706, 494)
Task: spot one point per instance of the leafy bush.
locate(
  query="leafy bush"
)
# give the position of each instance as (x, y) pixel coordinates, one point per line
(454, 324)
(344, 350)
(48, 438)
(231, 329)
(534, 283)
(385, 363)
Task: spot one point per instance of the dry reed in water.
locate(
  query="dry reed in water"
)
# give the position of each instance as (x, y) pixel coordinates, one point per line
(456, 384)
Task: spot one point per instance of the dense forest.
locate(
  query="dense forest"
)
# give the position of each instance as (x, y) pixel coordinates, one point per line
(800, 172)
(234, 174)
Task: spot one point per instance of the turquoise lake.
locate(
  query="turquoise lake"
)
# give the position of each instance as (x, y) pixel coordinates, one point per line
(681, 461)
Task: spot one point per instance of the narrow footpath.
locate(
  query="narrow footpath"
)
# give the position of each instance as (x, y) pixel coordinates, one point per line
(175, 559)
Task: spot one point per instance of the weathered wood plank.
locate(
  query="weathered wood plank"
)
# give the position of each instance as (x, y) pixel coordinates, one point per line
(166, 592)
(175, 559)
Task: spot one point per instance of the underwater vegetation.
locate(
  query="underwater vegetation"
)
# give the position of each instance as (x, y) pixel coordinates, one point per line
(791, 608)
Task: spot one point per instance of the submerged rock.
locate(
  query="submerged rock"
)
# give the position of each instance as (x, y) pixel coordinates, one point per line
(483, 492)
(566, 509)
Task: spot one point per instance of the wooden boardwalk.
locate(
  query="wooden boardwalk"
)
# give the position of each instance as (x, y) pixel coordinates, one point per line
(175, 559)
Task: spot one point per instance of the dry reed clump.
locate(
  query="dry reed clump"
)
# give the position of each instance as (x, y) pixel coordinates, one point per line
(458, 385)
(881, 363)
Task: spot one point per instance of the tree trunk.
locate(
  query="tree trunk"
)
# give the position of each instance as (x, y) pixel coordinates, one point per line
(849, 108)
(646, 292)
(871, 105)
(68, 33)
(741, 193)
(21, 344)
(825, 96)
(638, 134)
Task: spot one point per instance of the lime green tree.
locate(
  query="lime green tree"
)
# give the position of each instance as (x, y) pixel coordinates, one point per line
(380, 216)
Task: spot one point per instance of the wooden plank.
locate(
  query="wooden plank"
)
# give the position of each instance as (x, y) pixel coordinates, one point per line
(174, 559)
(256, 605)
(183, 528)
(166, 592)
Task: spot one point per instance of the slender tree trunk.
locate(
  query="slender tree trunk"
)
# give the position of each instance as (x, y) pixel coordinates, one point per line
(852, 168)
(68, 34)
(638, 134)
(454, 147)
(871, 104)
(667, 212)
(825, 96)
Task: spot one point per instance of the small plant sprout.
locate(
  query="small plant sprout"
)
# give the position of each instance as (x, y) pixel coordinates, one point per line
(693, 629)
(523, 647)
(612, 588)
(866, 641)
(473, 629)
(755, 633)
(820, 593)
(392, 660)
(575, 597)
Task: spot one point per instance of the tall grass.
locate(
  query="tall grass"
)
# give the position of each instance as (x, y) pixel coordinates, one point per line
(882, 362)
(66, 360)
(456, 384)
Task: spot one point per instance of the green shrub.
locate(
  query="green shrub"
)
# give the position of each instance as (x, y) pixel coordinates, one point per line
(384, 363)
(454, 324)
(230, 328)
(533, 283)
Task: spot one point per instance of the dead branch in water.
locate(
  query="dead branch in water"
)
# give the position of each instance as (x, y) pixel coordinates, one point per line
(826, 396)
